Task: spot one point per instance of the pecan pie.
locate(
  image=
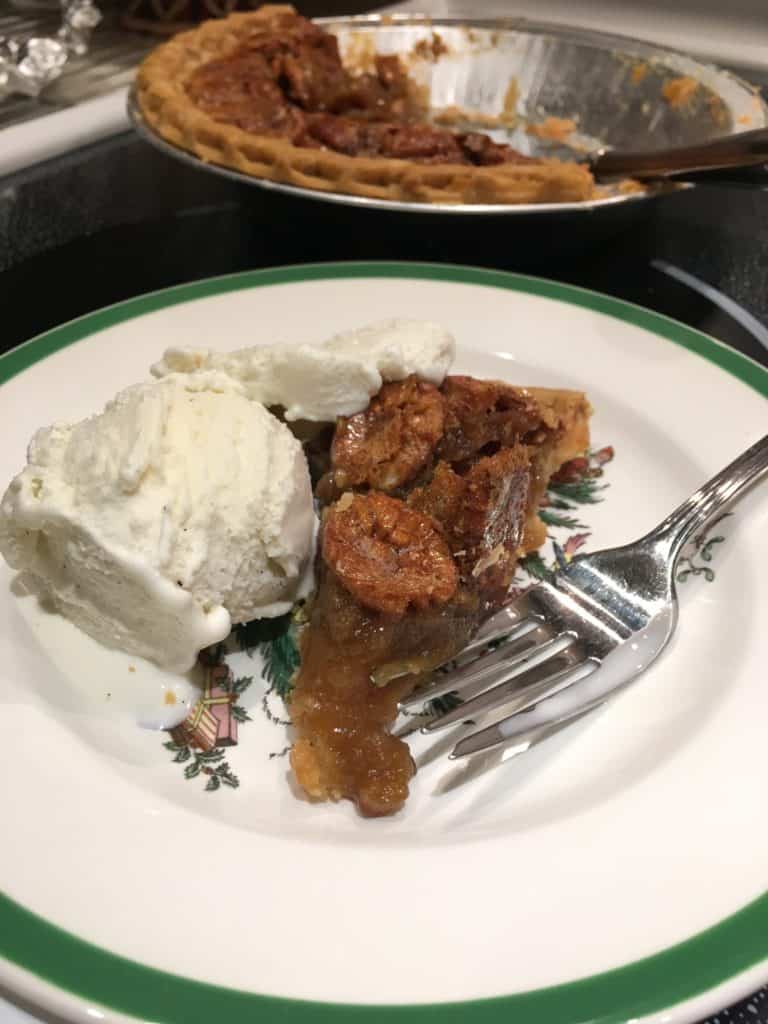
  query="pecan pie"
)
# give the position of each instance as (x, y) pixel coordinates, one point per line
(266, 93)
(429, 498)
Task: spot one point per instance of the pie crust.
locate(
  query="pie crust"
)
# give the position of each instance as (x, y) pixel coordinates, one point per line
(169, 111)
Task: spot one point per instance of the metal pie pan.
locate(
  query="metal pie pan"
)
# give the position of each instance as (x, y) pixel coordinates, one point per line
(619, 92)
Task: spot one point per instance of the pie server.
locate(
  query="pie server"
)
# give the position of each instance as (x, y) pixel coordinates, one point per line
(740, 159)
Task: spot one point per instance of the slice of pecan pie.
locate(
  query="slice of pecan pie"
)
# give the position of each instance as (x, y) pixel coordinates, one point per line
(266, 93)
(430, 497)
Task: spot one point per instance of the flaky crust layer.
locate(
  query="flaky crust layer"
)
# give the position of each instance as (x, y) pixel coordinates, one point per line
(168, 110)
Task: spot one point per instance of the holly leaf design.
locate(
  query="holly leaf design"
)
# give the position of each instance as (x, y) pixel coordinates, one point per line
(240, 714)
(577, 482)
(213, 784)
(535, 566)
(210, 756)
(275, 639)
(557, 519)
(227, 777)
(281, 661)
(583, 492)
(703, 548)
(241, 684)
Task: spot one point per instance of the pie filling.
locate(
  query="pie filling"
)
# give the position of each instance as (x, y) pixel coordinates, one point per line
(429, 497)
(287, 80)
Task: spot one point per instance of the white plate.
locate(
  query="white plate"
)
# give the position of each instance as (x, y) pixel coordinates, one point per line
(618, 871)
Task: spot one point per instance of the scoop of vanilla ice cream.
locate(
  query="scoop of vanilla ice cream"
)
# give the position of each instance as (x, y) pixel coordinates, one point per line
(334, 378)
(181, 509)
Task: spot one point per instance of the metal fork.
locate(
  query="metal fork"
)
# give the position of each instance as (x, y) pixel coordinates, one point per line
(587, 631)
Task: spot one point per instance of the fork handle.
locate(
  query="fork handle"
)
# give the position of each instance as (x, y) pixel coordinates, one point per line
(723, 489)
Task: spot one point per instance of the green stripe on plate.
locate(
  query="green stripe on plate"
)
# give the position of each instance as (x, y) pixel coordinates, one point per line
(43, 345)
(637, 989)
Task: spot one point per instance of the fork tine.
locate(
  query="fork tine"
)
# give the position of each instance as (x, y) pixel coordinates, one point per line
(525, 723)
(516, 685)
(506, 622)
(531, 739)
(513, 651)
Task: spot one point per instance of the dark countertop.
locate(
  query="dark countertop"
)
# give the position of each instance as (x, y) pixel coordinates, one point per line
(118, 219)
(78, 232)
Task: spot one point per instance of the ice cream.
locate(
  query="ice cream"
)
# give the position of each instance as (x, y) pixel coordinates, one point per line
(181, 509)
(185, 507)
(334, 378)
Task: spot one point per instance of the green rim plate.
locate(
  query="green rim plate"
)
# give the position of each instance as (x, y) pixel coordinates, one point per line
(646, 986)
